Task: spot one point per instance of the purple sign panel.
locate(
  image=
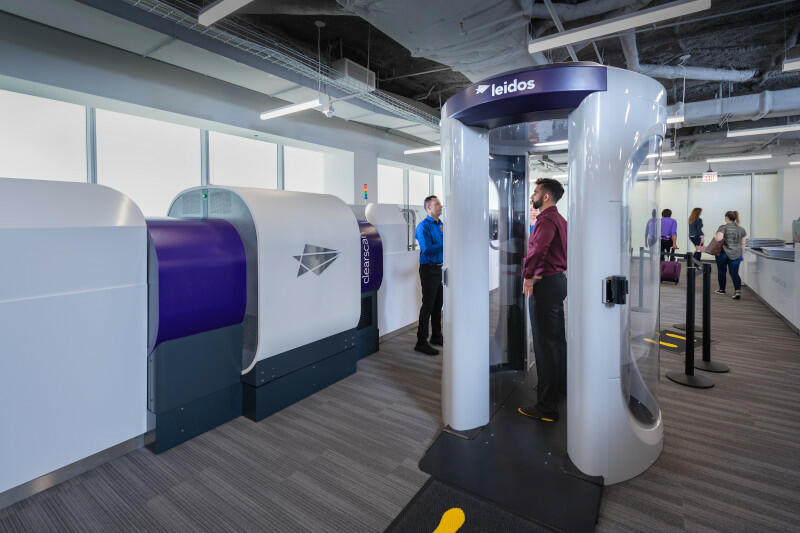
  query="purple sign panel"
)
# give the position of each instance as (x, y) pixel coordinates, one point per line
(202, 276)
(518, 96)
(371, 257)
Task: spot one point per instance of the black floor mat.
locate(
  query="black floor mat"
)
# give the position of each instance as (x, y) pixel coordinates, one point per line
(425, 511)
(522, 465)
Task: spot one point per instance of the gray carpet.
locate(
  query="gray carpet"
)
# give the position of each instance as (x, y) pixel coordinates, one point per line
(346, 458)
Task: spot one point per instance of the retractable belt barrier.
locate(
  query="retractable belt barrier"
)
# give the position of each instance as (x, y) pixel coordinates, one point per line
(687, 377)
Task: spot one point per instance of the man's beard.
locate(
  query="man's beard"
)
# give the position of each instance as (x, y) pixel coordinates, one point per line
(537, 204)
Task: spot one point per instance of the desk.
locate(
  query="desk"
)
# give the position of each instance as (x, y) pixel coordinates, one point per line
(776, 281)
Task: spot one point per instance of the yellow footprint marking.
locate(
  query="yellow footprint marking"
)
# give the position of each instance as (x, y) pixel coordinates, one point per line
(678, 336)
(452, 520)
(662, 343)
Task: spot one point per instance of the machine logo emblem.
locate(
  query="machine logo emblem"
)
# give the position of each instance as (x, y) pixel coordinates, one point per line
(480, 89)
(315, 259)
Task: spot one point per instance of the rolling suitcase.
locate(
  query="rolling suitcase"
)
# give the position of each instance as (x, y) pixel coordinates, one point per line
(671, 269)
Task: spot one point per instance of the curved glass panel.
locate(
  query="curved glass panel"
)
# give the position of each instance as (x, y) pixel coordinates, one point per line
(641, 265)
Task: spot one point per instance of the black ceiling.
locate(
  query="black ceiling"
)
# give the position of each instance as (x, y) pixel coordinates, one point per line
(733, 34)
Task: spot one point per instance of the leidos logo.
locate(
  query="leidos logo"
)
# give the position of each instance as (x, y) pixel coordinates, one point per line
(513, 86)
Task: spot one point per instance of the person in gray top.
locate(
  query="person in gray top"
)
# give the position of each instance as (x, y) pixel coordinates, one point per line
(733, 238)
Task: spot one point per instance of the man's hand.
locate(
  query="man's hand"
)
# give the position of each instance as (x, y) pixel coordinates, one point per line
(527, 286)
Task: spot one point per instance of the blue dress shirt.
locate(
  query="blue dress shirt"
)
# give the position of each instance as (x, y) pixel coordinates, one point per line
(430, 235)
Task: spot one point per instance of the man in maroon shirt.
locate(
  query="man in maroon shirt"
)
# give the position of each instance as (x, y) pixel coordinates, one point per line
(545, 285)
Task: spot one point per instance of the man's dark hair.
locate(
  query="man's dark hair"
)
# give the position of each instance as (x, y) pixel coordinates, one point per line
(551, 187)
(666, 213)
(427, 202)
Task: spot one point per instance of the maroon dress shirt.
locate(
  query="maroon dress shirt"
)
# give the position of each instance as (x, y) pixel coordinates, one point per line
(547, 245)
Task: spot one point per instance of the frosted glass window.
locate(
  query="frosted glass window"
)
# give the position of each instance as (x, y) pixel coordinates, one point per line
(729, 193)
(419, 187)
(303, 170)
(243, 162)
(766, 214)
(148, 160)
(438, 187)
(41, 138)
(390, 185)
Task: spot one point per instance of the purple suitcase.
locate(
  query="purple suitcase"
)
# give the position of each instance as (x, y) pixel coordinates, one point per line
(671, 270)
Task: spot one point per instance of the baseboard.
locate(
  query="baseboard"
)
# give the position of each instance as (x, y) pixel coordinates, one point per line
(42, 483)
(262, 401)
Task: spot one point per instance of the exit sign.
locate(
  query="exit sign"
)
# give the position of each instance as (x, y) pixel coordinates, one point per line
(709, 177)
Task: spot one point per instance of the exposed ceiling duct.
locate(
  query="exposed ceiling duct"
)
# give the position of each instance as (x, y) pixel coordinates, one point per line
(469, 36)
(782, 103)
(629, 48)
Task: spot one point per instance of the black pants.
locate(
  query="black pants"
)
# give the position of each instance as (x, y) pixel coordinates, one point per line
(696, 242)
(430, 276)
(551, 360)
(666, 248)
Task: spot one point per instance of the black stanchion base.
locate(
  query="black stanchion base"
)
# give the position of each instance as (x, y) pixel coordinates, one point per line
(712, 366)
(682, 327)
(696, 382)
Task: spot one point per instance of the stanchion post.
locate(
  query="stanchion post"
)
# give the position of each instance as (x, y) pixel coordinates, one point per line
(687, 377)
(707, 364)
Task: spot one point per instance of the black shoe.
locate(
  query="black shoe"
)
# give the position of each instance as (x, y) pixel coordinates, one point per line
(438, 341)
(426, 348)
(538, 414)
(737, 296)
(719, 291)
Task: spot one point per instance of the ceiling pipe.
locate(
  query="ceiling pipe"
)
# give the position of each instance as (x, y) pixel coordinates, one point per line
(293, 7)
(631, 53)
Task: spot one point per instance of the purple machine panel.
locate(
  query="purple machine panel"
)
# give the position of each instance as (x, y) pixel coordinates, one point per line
(202, 275)
(371, 257)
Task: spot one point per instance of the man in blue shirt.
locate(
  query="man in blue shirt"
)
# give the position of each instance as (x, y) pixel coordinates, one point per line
(430, 236)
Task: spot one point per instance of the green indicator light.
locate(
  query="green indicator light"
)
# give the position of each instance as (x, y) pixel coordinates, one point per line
(205, 195)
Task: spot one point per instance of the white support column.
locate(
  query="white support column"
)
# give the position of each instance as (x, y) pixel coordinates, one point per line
(205, 172)
(465, 370)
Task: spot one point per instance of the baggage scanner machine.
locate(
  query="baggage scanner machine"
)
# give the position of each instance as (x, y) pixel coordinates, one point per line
(616, 122)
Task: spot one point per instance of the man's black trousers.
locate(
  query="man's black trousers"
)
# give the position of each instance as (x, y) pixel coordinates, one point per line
(430, 276)
(546, 308)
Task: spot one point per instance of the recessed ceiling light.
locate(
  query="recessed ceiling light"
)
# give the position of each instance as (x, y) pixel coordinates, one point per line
(764, 131)
(663, 155)
(651, 172)
(551, 144)
(738, 158)
(791, 64)
(618, 24)
(219, 10)
(423, 150)
(289, 109)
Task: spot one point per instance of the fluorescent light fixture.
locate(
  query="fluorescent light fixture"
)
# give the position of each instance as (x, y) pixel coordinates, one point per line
(764, 131)
(791, 64)
(565, 142)
(663, 155)
(677, 119)
(738, 158)
(219, 10)
(423, 150)
(618, 24)
(651, 172)
(794, 162)
(560, 176)
(289, 109)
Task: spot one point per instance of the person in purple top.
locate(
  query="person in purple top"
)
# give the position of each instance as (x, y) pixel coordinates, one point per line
(669, 233)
